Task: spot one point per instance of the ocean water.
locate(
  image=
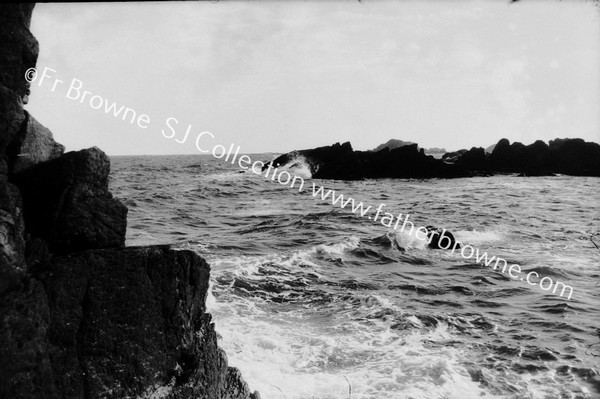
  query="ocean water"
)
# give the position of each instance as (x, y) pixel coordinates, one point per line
(312, 301)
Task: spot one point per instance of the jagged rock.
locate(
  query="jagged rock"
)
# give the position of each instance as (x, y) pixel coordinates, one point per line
(67, 203)
(80, 323)
(116, 323)
(453, 156)
(473, 160)
(236, 387)
(568, 156)
(12, 242)
(391, 144)
(518, 158)
(574, 157)
(536, 160)
(329, 162)
(404, 162)
(24, 353)
(18, 48)
(12, 117)
(34, 146)
(507, 157)
(340, 161)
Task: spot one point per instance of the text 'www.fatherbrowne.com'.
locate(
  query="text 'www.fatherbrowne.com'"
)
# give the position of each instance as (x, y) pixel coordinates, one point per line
(75, 91)
(392, 221)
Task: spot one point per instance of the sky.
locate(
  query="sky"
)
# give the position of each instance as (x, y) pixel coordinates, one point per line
(278, 76)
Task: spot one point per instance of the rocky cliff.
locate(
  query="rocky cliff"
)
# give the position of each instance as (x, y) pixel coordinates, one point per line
(81, 315)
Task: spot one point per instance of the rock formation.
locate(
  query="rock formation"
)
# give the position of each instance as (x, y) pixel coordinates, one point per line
(391, 144)
(339, 161)
(81, 315)
(566, 156)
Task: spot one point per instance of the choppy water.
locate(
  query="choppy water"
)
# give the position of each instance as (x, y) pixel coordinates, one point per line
(313, 301)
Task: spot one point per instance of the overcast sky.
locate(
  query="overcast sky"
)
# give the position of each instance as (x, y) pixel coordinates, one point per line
(277, 76)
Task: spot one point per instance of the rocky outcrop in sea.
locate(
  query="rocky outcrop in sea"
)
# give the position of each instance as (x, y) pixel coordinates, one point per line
(81, 315)
(574, 157)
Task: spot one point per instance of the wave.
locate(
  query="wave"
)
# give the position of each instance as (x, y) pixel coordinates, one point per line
(478, 237)
(298, 166)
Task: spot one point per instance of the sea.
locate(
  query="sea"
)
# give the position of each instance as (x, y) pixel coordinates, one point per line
(314, 301)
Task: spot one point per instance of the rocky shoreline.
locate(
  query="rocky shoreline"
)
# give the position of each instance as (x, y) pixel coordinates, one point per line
(83, 316)
(340, 161)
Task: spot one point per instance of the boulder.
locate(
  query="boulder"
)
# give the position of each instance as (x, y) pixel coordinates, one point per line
(442, 239)
(67, 203)
(473, 160)
(33, 146)
(116, 323)
(574, 157)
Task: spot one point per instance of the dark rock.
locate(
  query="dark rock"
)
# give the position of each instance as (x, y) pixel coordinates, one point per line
(574, 157)
(25, 364)
(18, 47)
(567, 156)
(507, 158)
(104, 323)
(536, 160)
(473, 160)
(518, 158)
(67, 203)
(35, 145)
(442, 239)
(340, 161)
(114, 324)
(395, 143)
(405, 162)
(12, 118)
(453, 156)
(391, 144)
(12, 241)
(236, 387)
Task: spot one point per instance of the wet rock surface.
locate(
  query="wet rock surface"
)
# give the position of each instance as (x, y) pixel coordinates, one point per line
(81, 315)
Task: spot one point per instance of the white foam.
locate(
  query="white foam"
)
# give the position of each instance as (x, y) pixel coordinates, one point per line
(349, 244)
(299, 360)
(317, 353)
(298, 166)
(409, 239)
(478, 237)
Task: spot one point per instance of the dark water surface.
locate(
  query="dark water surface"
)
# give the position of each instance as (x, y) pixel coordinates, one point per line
(311, 300)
